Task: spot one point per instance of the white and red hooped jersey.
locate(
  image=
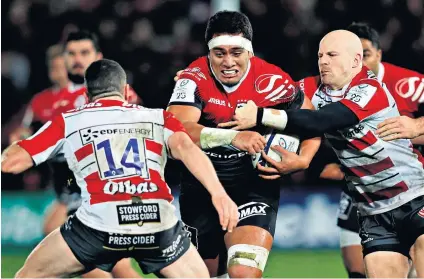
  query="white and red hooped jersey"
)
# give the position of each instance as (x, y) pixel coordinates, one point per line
(117, 152)
(381, 175)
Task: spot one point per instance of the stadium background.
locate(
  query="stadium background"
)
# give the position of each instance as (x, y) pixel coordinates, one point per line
(152, 39)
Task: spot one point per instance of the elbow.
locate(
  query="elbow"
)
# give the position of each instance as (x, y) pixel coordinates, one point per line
(182, 145)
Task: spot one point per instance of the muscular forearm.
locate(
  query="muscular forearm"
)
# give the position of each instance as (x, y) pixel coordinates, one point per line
(207, 138)
(418, 140)
(309, 124)
(420, 125)
(308, 149)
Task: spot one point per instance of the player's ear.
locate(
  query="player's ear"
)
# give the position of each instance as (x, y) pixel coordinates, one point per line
(99, 55)
(357, 61)
(250, 54)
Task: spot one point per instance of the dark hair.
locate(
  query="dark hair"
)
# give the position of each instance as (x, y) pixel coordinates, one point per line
(230, 23)
(365, 31)
(84, 35)
(105, 78)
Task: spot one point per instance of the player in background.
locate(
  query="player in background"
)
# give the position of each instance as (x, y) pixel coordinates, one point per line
(385, 179)
(400, 83)
(80, 49)
(126, 209)
(206, 95)
(40, 110)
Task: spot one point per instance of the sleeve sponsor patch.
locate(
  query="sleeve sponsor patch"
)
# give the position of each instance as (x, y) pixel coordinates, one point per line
(184, 91)
(361, 94)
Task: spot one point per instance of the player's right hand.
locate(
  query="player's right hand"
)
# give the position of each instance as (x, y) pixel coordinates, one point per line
(227, 210)
(249, 141)
(178, 74)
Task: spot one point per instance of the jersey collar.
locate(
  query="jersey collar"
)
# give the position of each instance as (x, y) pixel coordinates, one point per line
(380, 75)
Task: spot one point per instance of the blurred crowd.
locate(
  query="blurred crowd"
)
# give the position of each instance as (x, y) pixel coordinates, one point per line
(152, 39)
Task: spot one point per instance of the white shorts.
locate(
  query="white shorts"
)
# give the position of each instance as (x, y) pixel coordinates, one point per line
(349, 238)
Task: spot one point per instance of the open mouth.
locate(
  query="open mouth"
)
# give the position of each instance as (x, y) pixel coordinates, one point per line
(229, 73)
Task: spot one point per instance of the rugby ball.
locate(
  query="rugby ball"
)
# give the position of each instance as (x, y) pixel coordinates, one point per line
(288, 142)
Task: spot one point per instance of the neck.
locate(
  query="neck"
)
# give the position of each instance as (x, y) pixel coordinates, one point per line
(109, 98)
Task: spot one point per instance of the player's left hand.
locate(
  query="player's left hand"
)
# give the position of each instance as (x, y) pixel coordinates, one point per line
(290, 162)
(244, 118)
(178, 74)
(401, 127)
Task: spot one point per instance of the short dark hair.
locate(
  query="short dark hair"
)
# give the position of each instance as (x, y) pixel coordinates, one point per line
(105, 78)
(365, 31)
(84, 35)
(230, 23)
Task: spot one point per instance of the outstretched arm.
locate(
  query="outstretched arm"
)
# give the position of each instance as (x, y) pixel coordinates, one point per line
(15, 159)
(182, 148)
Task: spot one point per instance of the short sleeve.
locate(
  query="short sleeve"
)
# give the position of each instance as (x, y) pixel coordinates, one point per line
(171, 126)
(186, 92)
(47, 142)
(366, 99)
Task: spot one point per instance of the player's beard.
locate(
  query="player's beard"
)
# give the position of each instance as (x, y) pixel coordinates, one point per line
(77, 79)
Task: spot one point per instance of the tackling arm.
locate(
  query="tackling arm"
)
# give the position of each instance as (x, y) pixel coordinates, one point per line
(309, 147)
(15, 159)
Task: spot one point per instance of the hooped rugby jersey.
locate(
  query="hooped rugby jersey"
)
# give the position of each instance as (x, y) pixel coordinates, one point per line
(265, 84)
(117, 152)
(380, 175)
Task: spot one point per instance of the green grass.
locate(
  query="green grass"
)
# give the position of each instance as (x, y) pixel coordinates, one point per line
(294, 264)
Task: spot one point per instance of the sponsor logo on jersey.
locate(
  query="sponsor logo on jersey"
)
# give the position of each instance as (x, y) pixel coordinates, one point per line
(252, 209)
(89, 134)
(353, 132)
(79, 101)
(126, 187)
(266, 83)
(226, 156)
(217, 102)
(195, 72)
(138, 213)
(412, 87)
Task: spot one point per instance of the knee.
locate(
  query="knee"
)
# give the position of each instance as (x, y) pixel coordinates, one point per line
(241, 271)
(419, 245)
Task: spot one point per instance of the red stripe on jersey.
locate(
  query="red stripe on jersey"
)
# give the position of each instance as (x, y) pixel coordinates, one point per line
(84, 152)
(154, 147)
(371, 169)
(98, 188)
(383, 194)
(366, 141)
(172, 123)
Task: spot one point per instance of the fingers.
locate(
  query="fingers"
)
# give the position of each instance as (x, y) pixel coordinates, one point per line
(228, 124)
(233, 217)
(392, 132)
(270, 160)
(220, 211)
(267, 170)
(251, 150)
(257, 148)
(393, 137)
(387, 122)
(387, 128)
(279, 149)
(270, 177)
(177, 77)
(226, 215)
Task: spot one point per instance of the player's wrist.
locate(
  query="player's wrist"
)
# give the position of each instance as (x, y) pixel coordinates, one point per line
(273, 118)
(214, 137)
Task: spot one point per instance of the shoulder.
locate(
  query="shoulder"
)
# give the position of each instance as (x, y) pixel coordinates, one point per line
(309, 85)
(397, 71)
(198, 71)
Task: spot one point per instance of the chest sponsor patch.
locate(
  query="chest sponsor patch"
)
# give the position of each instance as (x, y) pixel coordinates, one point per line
(138, 214)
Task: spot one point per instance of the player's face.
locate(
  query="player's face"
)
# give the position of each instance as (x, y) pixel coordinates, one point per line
(372, 55)
(57, 71)
(335, 65)
(79, 55)
(229, 63)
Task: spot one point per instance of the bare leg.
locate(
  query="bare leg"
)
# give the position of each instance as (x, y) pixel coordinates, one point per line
(385, 264)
